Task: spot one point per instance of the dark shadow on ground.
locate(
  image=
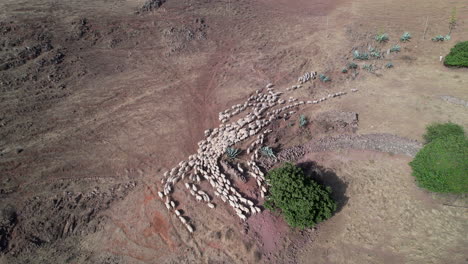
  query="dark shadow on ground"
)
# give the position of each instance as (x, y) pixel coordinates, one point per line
(327, 178)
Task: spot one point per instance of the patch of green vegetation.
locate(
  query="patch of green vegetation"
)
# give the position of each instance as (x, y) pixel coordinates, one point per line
(302, 201)
(458, 56)
(405, 37)
(344, 70)
(438, 130)
(368, 67)
(303, 121)
(232, 152)
(375, 53)
(381, 37)
(352, 65)
(442, 164)
(441, 38)
(324, 78)
(389, 65)
(360, 55)
(268, 152)
(395, 48)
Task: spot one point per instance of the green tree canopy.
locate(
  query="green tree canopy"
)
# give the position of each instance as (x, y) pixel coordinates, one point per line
(442, 164)
(458, 56)
(302, 201)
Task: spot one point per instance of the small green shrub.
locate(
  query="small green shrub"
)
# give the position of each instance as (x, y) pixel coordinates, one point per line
(303, 121)
(442, 165)
(438, 38)
(268, 152)
(389, 65)
(458, 56)
(352, 65)
(437, 130)
(344, 70)
(324, 78)
(405, 37)
(441, 38)
(375, 53)
(368, 67)
(302, 201)
(232, 152)
(360, 56)
(381, 37)
(395, 48)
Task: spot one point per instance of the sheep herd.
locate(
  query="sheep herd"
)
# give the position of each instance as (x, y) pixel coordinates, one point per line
(206, 164)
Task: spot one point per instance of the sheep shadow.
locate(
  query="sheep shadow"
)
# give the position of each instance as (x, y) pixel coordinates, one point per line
(328, 178)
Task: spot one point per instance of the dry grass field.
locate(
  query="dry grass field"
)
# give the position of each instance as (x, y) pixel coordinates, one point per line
(99, 98)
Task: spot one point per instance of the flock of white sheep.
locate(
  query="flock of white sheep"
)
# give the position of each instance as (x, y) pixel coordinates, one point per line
(264, 107)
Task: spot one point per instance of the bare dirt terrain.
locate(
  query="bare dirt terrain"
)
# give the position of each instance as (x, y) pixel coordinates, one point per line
(99, 98)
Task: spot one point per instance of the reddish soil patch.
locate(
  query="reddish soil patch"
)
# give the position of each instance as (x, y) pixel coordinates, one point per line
(270, 231)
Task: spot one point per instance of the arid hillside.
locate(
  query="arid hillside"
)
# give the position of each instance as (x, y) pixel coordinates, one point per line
(98, 99)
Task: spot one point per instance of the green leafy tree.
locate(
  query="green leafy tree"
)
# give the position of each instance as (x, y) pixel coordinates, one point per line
(458, 56)
(442, 164)
(302, 201)
(444, 130)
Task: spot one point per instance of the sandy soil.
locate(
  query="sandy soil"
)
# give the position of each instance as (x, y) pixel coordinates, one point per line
(98, 98)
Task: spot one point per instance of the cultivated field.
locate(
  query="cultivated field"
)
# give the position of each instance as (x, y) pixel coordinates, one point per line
(99, 98)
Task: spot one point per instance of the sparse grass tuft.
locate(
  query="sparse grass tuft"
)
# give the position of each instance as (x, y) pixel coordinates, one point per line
(453, 20)
(395, 48)
(381, 37)
(375, 53)
(360, 56)
(441, 38)
(368, 67)
(303, 121)
(352, 65)
(232, 153)
(268, 152)
(405, 37)
(324, 78)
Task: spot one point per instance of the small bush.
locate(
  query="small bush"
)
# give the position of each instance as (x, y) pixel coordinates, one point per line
(303, 121)
(441, 38)
(375, 53)
(405, 37)
(438, 130)
(360, 56)
(324, 78)
(458, 55)
(381, 37)
(368, 67)
(395, 48)
(302, 201)
(344, 70)
(389, 65)
(352, 65)
(232, 152)
(268, 152)
(442, 165)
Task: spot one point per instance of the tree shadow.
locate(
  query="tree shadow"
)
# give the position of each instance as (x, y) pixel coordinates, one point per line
(328, 178)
